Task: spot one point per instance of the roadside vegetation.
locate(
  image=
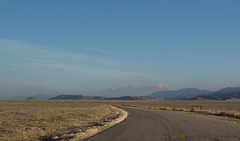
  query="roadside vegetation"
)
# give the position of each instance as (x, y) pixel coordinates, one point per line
(40, 119)
(228, 109)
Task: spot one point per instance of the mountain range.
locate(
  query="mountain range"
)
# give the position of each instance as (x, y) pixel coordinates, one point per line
(134, 90)
(81, 97)
(223, 94)
(182, 94)
(197, 94)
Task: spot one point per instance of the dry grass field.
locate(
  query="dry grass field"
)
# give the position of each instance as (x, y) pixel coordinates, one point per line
(35, 119)
(40, 119)
(229, 109)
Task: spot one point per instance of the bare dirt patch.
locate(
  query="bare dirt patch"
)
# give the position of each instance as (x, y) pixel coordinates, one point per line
(46, 119)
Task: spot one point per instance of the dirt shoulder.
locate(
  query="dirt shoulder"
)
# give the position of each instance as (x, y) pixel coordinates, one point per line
(226, 110)
(222, 115)
(118, 115)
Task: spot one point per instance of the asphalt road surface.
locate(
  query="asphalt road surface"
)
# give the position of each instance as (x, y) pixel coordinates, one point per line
(158, 125)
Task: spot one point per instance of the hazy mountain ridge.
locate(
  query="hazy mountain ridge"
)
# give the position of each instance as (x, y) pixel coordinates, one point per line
(223, 94)
(131, 98)
(81, 97)
(181, 94)
(76, 97)
(38, 96)
(197, 94)
(134, 90)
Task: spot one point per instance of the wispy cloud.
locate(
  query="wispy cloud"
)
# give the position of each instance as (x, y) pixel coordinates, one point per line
(234, 62)
(33, 51)
(20, 53)
(93, 71)
(25, 64)
(102, 51)
(98, 50)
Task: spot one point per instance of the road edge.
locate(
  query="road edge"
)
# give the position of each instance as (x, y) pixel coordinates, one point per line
(91, 130)
(226, 118)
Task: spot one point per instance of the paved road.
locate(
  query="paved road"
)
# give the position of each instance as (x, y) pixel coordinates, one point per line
(157, 125)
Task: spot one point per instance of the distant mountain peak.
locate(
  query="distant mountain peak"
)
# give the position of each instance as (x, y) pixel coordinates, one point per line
(135, 90)
(178, 94)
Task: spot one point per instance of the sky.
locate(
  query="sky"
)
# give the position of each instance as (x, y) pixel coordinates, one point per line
(90, 46)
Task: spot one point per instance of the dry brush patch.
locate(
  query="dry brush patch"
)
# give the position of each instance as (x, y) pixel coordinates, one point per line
(39, 119)
(228, 109)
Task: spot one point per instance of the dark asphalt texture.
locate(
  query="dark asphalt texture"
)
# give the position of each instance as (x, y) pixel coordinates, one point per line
(158, 125)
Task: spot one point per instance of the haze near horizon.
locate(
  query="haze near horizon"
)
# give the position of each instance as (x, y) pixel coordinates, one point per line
(91, 47)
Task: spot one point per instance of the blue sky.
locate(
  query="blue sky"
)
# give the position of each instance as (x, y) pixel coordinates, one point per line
(86, 46)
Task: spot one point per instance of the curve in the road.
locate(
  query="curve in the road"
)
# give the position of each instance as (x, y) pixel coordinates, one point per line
(157, 125)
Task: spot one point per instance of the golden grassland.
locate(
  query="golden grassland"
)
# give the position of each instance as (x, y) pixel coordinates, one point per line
(44, 119)
(36, 119)
(229, 109)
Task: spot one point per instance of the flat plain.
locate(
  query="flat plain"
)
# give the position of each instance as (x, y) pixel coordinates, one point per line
(41, 119)
(36, 119)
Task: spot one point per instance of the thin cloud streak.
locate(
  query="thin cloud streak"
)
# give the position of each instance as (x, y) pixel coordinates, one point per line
(32, 51)
(234, 62)
(18, 53)
(99, 72)
(102, 51)
(99, 51)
